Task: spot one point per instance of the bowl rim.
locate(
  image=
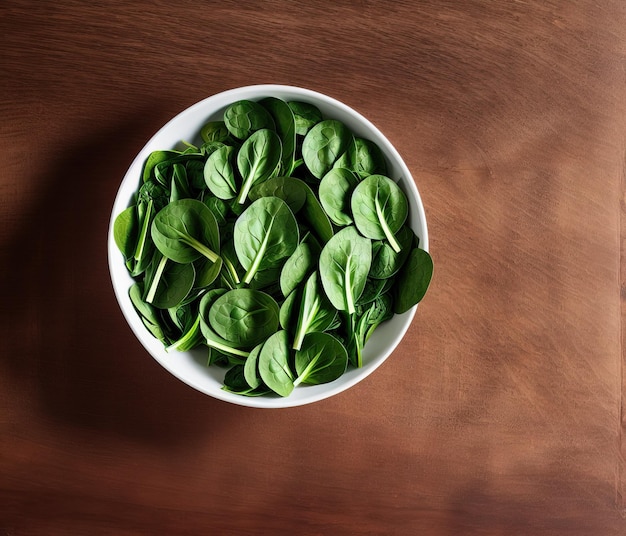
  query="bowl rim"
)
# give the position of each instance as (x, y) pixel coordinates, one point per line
(254, 92)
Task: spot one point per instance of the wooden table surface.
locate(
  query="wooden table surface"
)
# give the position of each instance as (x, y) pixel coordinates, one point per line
(500, 412)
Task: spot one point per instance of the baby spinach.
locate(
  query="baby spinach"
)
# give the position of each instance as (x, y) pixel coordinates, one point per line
(413, 280)
(186, 229)
(219, 173)
(386, 262)
(149, 315)
(125, 231)
(335, 191)
(190, 339)
(265, 234)
(274, 367)
(321, 359)
(344, 264)
(286, 129)
(168, 282)
(251, 367)
(214, 131)
(258, 159)
(291, 191)
(314, 215)
(211, 338)
(300, 264)
(363, 157)
(379, 208)
(280, 271)
(244, 117)
(315, 313)
(323, 145)
(244, 317)
(306, 116)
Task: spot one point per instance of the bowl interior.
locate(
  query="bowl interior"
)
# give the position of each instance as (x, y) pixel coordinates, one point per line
(190, 367)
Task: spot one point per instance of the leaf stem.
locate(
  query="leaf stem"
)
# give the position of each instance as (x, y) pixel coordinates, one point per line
(200, 247)
(383, 223)
(154, 285)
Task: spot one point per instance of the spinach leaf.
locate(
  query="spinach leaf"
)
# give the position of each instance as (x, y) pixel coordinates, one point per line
(219, 173)
(413, 280)
(379, 208)
(323, 145)
(274, 366)
(297, 267)
(362, 324)
(315, 313)
(219, 209)
(125, 231)
(214, 131)
(364, 157)
(288, 315)
(385, 261)
(186, 229)
(322, 359)
(154, 158)
(168, 282)
(291, 191)
(258, 159)
(373, 289)
(313, 214)
(244, 117)
(151, 198)
(149, 315)
(335, 192)
(244, 317)
(211, 338)
(251, 367)
(376, 312)
(344, 264)
(190, 339)
(286, 130)
(206, 272)
(179, 188)
(265, 235)
(195, 176)
(306, 116)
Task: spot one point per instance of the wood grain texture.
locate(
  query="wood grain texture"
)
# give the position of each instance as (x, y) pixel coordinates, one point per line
(500, 412)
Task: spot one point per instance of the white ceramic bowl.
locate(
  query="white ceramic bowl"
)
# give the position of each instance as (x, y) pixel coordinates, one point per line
(190, 367)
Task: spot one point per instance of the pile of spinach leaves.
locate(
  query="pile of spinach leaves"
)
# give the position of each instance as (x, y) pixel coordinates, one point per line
(278, 243)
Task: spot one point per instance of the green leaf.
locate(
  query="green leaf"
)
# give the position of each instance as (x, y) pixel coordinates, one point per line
(323, 145)
(185, 230)
(214, 131)
(219, 173)
(306, 116)
(168, 282)
(244, 317)
(297, 267)
(322, 359)
(274, 364)
(291, 191)
(315, 312)
(344, 264)
(125, 231)
(335, 192)
(265, 235)
(258, 159)
(379, 208)
(286, 130)
(244, 117)
(413, 280)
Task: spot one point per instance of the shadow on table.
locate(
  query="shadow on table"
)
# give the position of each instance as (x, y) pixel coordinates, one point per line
(68, 345)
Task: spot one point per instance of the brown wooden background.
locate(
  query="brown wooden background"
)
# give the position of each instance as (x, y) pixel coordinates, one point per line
(500, 413)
